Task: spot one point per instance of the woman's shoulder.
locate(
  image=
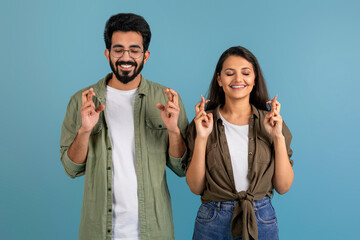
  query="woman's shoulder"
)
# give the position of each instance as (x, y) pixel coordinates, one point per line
(260, 113)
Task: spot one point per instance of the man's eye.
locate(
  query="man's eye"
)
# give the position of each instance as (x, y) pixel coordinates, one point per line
(118, 50)
(135, 51)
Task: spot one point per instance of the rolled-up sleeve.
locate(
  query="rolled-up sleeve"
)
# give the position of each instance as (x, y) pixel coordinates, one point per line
(68, 133)
(190, 142)
(175, 164)
(288, 138)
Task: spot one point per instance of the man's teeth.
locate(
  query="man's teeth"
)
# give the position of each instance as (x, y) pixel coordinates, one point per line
(242, 86)
(126, 66)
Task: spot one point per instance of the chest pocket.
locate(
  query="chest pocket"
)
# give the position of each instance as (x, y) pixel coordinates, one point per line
(99, 125)
(157, 135)
(263, 150)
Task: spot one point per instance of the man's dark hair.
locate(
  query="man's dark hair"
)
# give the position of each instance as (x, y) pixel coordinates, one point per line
(127, 22)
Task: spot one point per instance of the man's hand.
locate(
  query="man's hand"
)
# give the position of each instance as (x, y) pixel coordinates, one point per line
(170, 112)
(89, 115)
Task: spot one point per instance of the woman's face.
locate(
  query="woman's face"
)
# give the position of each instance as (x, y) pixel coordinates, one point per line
(237, 78)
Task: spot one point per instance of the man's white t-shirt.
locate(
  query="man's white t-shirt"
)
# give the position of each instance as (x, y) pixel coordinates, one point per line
(238, 141)
(120, 119)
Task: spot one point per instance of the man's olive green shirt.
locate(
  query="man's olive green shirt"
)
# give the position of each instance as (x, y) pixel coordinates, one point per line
(151, 156)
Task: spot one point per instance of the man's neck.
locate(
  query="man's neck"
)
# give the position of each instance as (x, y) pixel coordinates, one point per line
(115, 83)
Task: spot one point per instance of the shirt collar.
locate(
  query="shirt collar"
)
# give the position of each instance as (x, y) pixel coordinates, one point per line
(216, 113)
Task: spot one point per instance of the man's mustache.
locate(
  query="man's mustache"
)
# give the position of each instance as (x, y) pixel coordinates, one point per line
(126, 63)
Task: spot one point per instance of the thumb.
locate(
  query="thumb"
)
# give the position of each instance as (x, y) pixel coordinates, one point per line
(100, 108)
(160, 106)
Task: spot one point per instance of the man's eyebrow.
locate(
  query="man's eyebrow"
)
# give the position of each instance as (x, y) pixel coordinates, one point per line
(135, 46)
(117, 45)
(132, 46)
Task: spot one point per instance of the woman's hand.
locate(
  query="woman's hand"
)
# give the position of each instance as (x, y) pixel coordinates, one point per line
(283, 173)
(273, 121)
(195, 174)
(203, 121)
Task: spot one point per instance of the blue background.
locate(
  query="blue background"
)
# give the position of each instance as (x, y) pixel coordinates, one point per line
(309, 52)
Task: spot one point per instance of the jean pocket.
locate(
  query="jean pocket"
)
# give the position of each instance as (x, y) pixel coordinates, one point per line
(206, 213)
(265, 214)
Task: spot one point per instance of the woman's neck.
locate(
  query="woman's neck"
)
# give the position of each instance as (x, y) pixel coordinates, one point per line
(237, 112)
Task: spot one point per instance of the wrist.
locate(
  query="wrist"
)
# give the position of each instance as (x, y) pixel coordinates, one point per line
(201, 139)
(175, 132)
(278, 138)
(83, 131)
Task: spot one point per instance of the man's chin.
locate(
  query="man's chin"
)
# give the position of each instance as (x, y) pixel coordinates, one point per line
(125, 79)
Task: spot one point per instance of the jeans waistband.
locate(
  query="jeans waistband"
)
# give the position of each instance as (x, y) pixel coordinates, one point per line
(231, 204)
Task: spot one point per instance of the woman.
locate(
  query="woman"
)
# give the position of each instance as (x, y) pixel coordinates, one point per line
(239, 152)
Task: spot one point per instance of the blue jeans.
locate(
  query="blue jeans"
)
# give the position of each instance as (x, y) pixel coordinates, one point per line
(214, 218)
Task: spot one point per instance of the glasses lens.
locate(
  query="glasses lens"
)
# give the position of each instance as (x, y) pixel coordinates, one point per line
(117, 52)
(133, 52)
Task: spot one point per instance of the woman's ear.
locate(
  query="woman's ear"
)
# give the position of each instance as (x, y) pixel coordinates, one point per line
(219, 80)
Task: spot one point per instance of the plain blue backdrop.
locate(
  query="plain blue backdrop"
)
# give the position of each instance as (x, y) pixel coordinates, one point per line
(309, 52)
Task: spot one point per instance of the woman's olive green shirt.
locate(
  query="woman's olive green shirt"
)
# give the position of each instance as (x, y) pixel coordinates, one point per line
(220, 184)
(151, 157)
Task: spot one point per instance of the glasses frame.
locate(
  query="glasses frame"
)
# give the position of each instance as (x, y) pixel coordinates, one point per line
(129, 52)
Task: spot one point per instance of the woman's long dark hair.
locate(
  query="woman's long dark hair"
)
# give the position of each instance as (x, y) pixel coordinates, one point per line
(258, 96)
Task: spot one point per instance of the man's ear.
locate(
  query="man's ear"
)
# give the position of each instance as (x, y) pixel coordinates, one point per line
(107, 54)
(146, 55)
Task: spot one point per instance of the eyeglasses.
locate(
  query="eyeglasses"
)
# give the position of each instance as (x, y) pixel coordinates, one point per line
(118, 52)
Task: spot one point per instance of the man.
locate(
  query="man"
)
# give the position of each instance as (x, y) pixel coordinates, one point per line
(120, 133)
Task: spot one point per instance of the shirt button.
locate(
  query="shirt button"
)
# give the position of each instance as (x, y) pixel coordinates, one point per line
(109, 189)
(109, 230)
(109, 168)
(110, 210)
(109, 148)
(251, 139)
(250, 153)
(160, 126)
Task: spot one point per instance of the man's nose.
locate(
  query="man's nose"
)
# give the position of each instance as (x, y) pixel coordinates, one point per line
(126, 55)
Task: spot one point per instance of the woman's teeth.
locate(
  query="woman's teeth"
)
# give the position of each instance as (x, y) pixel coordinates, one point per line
(242, 86)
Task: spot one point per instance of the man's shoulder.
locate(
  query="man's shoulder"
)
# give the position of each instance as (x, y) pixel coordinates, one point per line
(155, 86)
(153, 90)
(77, 95)
(156, 89)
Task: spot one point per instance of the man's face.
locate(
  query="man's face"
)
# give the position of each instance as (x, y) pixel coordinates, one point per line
(126, 56)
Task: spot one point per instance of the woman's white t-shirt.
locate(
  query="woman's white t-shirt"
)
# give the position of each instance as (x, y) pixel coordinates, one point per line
(238, 141)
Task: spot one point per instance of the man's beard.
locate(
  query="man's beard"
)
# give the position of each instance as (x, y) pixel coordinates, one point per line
(126, 77)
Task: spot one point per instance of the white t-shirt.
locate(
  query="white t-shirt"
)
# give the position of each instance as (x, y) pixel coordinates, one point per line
(120, 119)
(238, 141)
